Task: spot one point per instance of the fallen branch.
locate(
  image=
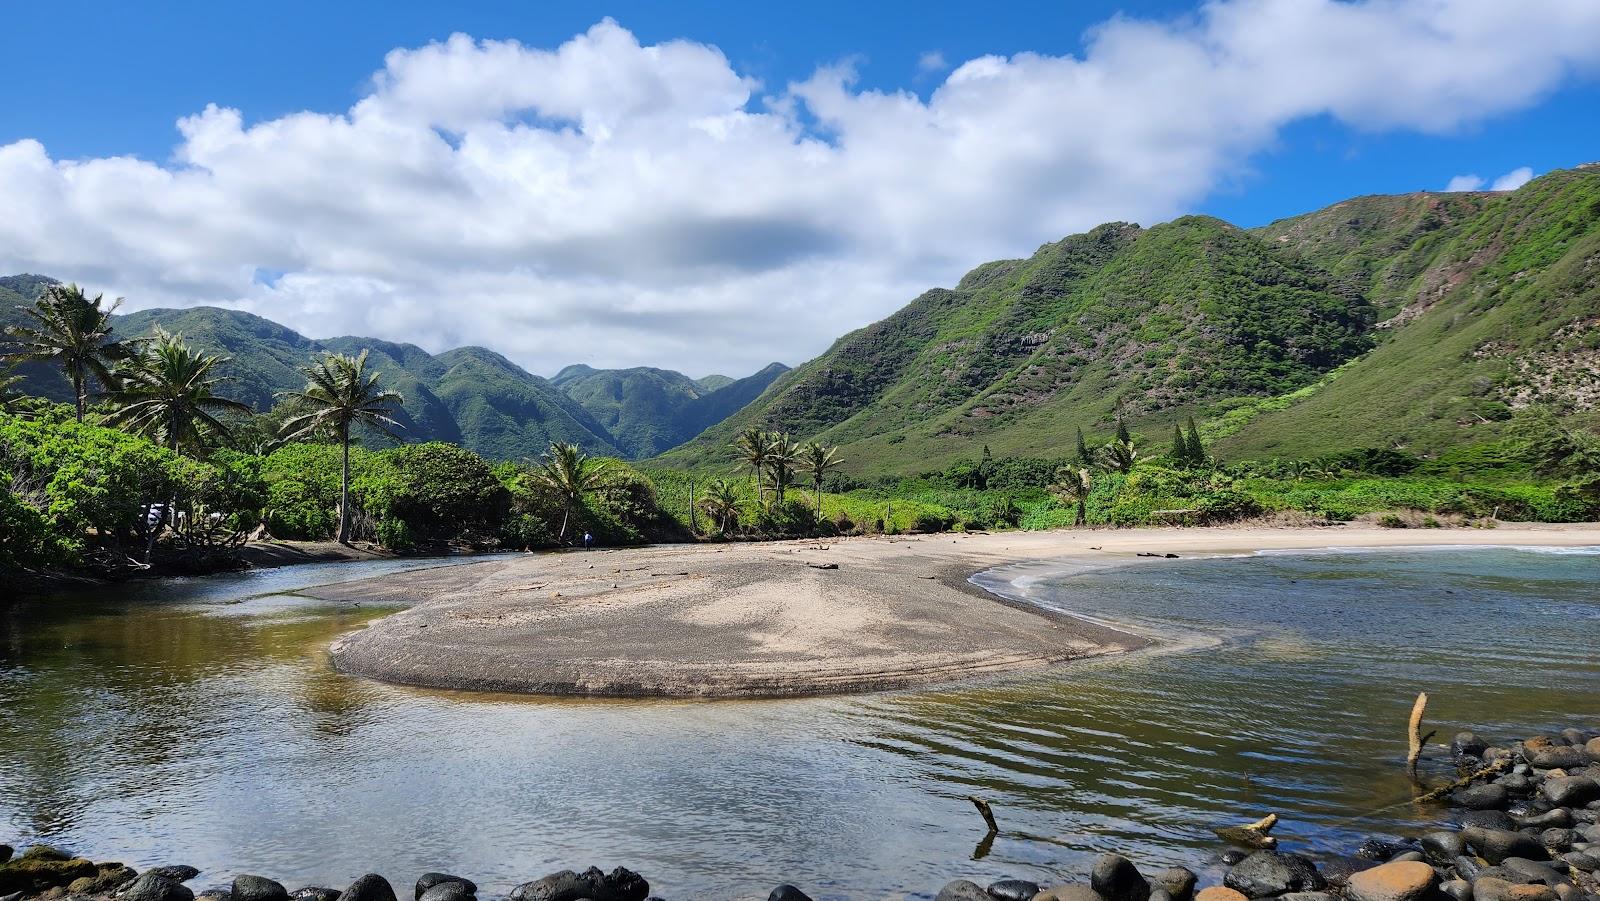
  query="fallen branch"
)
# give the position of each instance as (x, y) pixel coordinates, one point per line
(1466, 780)
(823, 565)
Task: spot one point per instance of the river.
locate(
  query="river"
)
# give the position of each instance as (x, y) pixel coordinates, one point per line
(197, 721)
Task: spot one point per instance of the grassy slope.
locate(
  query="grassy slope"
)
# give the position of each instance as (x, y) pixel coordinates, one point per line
(1021, 353)
(1500, 285)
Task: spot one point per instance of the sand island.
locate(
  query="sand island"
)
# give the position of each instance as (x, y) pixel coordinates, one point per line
(781, 618)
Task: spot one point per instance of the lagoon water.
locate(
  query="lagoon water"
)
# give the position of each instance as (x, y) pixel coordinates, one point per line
(198, 721)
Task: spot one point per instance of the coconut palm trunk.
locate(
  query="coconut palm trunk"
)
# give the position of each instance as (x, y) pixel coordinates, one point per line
(344, 485)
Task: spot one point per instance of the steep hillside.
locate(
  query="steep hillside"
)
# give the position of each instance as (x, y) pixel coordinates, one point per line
(1145, 323)
(1419, 321)
(649, 411)
(17, 291)
(1505, 313)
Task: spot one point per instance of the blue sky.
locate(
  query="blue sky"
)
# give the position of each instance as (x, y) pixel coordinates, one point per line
(134, 72)
(89, 82)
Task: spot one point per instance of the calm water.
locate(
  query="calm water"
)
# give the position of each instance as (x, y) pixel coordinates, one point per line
(198, 722)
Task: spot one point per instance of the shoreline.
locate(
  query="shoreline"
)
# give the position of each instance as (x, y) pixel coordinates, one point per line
(785, 619)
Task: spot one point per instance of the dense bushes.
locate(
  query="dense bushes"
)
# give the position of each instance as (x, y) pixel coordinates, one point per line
(424, 493)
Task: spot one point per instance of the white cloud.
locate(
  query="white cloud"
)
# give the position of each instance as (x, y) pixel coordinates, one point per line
(1512, 180)
(623, 204)
(932, 61)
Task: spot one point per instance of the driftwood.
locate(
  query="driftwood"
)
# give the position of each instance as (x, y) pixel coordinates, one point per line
(985, 811)
(1466, 780)
(1414, 735)
(823, 565)
(1251, 835)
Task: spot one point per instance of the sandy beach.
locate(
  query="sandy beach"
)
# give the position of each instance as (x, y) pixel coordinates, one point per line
(782, 618)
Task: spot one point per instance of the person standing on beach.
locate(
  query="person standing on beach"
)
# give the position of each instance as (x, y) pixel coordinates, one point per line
(588, 541)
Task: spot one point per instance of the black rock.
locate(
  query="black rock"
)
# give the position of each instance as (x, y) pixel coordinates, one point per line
(429, 880)
(1309, 896)
(5, 853)
(1557, 839)
(1559, 818)
(448, 891)
(1465, 744)
(314, 893)
(1570, 791)
(155, 887)
(1481, 797)
(1179, 882)
(1457, 889)
(1443, 847)
(1534, 871)
(370, 887)
(1232, 856)
(1010, 890)
(258, 888)
(1337, 870)
(1563, 757)
(215, 894)
(1516, 783)
(175, 872)
(1488, 819)
(1580, 860)
(1268, 873)
(962, 890)
(1115, 878)
(619, 885)
(1495, 845)
(1382, 850)
(787, 892)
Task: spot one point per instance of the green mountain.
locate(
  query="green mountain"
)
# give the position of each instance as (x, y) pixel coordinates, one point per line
(468, 396)
(649, 411)
(1417, 321)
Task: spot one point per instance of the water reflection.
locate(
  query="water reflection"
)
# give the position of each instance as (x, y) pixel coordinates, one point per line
(199, 722)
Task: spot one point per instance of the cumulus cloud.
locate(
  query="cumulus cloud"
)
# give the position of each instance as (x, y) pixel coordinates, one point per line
(1510, 181)
(1513, 180)
(932, 61)
(621, 204)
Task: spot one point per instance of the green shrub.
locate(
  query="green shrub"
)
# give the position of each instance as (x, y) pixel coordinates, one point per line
(433, 492)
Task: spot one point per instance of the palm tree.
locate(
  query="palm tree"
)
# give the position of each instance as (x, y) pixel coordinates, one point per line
(9, 379)
(782, 454)
(721, 503)
(816, 459)
(1119, 456)
(571, 474)
(754, 447)
(1072, 486)
(341, 393)
(167, 393)
(73, 331)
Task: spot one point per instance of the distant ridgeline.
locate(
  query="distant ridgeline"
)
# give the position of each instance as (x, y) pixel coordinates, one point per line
(1417, 321)
(468, 396)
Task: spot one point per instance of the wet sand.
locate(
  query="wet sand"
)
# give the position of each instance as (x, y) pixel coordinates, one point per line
(767, 620)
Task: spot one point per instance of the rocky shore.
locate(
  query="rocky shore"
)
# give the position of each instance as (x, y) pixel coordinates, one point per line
(1524, 825)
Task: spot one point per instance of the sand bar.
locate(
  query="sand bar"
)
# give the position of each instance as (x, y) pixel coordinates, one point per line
(766, 620)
